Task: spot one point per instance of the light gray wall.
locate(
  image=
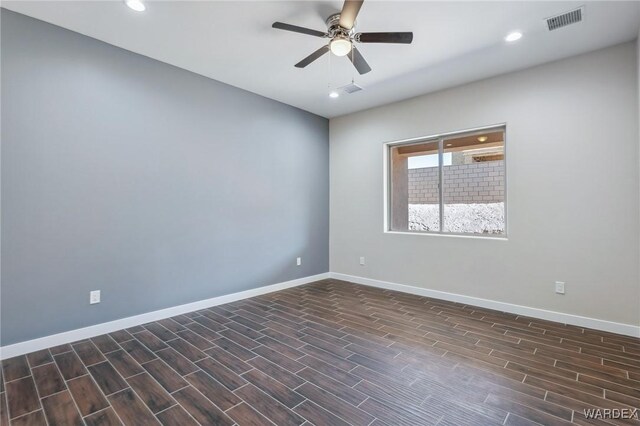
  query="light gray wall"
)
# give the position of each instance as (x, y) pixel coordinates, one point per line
(155, 185)
(572, 183)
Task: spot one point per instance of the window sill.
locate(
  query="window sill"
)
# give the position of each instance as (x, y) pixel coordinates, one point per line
(450, 235)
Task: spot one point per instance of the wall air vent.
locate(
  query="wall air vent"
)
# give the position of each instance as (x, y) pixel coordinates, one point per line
(564, 19)
(351, 88)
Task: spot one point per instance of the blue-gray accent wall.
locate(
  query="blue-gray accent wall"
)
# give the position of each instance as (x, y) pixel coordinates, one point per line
(155, 185)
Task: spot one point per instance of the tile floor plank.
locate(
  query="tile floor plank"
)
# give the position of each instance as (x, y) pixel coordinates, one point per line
(130, 409)
(48, 379)
(56, 350)
(318, 415)
(274, 388)
(275, 371)
(176, 416)
(105, 343)
(151, 393)
(88, 353)
(70, 365)
(124, 363)
(32, 419)
(213, 390)
(186, 349)
(87, 395)
(60, 410)
(269, 407)
(107, 378)
(150, 340)
(201, 408)
(120, 336)
(15, 368)
(244, 415)
(160, 331)
(229, 360)
(106, 417)
(178, 362)
(39, 357)
(137, 351)
(221, 373)
(22, 397)
(195, 339)
(165, 375)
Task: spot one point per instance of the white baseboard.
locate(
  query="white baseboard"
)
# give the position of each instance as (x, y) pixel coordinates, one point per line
(598, 324)
(111, 326)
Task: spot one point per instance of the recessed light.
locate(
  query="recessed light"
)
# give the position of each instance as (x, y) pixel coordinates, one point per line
(514, 36)
(136, 5)
(333, 94)
(483, 138)
(449, 144)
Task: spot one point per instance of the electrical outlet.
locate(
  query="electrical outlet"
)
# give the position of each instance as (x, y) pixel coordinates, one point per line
(299, 261)
(94, 297)
(362, 260)
(559, 287)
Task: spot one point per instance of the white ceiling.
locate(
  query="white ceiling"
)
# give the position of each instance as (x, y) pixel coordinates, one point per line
(233, 42)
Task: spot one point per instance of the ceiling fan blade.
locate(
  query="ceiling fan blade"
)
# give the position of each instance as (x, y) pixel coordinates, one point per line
(315, 55)
(297, 29)
(349, 13)
(403, 38)
(358, 61)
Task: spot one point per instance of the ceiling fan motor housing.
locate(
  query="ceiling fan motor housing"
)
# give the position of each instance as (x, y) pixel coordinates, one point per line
(334, 29)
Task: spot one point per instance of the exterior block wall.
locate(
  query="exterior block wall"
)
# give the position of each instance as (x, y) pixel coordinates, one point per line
(464, 183)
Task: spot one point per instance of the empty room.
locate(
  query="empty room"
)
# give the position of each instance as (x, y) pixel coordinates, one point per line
(359, 213)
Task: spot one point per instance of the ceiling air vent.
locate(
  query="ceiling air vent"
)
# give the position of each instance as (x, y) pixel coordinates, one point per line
(351, 88)
(568, 18)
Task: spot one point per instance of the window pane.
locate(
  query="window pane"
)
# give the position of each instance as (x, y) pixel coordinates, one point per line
(415, 200)
(473, 184)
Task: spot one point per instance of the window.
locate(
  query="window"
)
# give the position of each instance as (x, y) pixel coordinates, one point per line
(450, 184)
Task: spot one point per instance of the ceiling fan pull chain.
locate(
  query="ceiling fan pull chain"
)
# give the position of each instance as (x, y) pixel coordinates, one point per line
(353, 74)
(329, 74)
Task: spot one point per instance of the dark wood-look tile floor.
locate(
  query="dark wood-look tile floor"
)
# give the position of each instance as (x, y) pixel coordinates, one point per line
(328, 353)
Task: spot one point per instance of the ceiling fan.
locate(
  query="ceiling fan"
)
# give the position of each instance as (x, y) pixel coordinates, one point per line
(340, 29)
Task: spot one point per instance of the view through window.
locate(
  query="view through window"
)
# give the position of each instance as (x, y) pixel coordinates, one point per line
(451, 184)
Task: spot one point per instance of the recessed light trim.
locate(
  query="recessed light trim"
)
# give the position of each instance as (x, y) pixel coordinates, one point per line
(483, 138)
(136, 5)
(333, 94)
(513, 36)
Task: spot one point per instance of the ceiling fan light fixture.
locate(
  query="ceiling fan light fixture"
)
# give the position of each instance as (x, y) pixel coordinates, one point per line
(340, 46)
